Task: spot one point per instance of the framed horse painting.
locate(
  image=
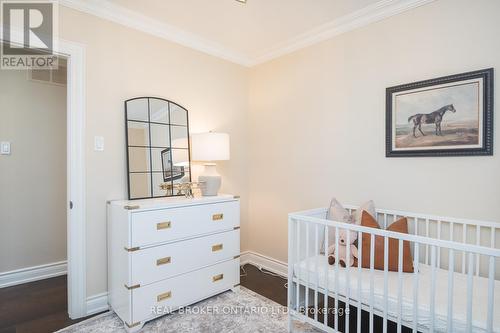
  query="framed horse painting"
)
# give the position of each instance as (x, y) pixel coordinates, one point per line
(446, 116)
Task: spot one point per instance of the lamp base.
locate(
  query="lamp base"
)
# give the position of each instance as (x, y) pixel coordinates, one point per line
(212, 180)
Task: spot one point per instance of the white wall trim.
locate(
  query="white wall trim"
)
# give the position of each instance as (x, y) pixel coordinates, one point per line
(360, 18)
(121, 15)
(76, 217)
(370, 14)
(97, 303)
(30, 274)
(262, 261)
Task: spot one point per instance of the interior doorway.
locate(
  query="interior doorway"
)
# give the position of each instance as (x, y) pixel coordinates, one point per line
(33, 183)
(74, 54)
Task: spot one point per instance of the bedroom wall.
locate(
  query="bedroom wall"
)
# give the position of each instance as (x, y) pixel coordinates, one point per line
(317, 122)
(32, 178)
(122, 63)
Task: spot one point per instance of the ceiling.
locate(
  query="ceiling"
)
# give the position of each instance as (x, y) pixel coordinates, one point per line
(250, 33)
(252, 29)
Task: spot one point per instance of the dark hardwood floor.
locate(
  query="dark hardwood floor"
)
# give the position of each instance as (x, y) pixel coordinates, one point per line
(41, 306)
(35, 307)
(272, 287)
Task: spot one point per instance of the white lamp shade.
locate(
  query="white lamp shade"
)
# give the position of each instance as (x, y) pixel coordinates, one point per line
(210, 146)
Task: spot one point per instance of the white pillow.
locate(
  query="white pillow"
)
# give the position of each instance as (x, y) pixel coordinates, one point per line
(369, 207)
(337, 212)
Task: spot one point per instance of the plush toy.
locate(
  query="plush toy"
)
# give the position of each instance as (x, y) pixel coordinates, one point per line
(342, 249)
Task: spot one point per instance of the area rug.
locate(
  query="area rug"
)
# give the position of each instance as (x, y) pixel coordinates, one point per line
(243, 311)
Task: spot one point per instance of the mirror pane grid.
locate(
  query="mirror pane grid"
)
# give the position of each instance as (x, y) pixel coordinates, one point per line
(158, 111)
(178, 115)
(158, 147)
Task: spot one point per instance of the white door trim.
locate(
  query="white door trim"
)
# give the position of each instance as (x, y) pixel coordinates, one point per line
(77, 276)
(76, 230)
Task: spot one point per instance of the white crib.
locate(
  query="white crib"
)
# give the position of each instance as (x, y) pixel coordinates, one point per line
(442, 295)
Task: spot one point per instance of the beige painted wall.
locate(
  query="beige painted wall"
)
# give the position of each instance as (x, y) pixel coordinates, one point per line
(33, 177)
(303, 127)
(317, 122)
(122, 63)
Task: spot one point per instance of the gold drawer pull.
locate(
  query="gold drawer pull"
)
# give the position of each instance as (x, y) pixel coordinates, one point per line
(216, 278)
(217, 217)
(164, 296)
(163, 225)
(217, 247)
(163, 261)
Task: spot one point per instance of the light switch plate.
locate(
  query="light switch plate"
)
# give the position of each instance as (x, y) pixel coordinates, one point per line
(5, 148)
(99, 143)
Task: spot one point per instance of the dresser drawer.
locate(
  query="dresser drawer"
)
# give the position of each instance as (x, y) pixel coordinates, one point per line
(184, 289)
(164, 261)
(157, 226)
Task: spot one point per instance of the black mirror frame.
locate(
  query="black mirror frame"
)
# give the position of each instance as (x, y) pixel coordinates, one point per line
(169, 102)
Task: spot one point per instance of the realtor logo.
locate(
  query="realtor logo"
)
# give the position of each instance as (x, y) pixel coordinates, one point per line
(28, 34)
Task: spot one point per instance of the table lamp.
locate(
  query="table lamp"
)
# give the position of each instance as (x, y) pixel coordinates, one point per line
(210, 147)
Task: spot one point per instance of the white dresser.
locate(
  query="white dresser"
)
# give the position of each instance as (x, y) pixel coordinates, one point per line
(167, 253)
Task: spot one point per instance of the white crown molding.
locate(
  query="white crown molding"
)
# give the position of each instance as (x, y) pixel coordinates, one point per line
(31, 274)
(360, 18)
(370, 14)
(118, 14)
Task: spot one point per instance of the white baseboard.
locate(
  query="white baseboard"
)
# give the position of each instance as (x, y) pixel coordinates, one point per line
(31, 274)
(97, 303)
(262, 261)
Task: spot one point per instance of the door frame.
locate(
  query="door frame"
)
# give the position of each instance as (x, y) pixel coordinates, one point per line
(76, 191)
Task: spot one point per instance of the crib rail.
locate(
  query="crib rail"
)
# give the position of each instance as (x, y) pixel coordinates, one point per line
(435, 248)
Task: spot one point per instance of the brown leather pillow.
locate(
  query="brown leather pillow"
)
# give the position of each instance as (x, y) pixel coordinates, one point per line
(401, 226)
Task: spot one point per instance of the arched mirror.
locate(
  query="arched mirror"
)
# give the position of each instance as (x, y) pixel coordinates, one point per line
(157, 147)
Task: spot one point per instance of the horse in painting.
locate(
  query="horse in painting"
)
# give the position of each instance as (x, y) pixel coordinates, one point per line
(435, 117)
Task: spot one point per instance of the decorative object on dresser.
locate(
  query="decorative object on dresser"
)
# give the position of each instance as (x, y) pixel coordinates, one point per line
(157, 147)
(446, 116)
(210, 147)
(169, 253)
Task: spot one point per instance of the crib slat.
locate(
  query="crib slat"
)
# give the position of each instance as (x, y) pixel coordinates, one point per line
(426, 246)
(492, 240)
(451, 231)
(400, 283)
(415, 287)
(464, 240)
(372, 272)
(291, 263)
(298, 262)
(451, 272)
(347, 280)
(469, 291)
(415, 220)
(478, 241)
(316, 250)
(385, 221)
(386, 277)
(439, 249)
(433, 287)
(337, 287)
(307, 284)
(325, 296)
(360, 258)
(491, 293)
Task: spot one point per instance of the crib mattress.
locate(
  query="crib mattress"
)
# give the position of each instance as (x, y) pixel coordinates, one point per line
(479, 298)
